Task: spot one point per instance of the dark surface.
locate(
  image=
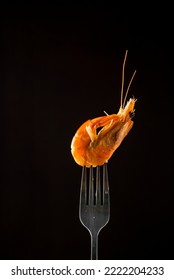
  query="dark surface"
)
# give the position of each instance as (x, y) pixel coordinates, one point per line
(61, 67)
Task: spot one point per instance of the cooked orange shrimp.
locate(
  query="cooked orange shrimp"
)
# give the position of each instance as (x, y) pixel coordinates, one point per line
(90, 148)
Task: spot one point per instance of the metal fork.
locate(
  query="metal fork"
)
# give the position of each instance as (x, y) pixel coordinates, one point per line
(94, 207)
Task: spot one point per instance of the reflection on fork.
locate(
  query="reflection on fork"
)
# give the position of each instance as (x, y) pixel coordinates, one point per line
(94, 207)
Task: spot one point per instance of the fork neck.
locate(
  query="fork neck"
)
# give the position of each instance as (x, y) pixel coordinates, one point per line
(94, 246)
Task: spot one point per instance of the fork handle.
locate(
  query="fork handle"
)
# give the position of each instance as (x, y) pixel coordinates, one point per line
(94, 246)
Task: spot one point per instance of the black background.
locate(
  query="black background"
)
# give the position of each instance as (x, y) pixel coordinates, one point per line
(60, 66)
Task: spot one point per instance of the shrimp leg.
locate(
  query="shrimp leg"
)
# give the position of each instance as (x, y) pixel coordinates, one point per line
(91, 128)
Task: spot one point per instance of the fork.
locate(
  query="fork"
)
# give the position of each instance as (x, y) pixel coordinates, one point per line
(94, 206)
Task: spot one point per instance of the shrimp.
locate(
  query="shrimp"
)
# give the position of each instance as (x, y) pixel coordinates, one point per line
(92, 148)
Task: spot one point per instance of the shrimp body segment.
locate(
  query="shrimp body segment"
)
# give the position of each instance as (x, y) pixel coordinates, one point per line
(90, 148)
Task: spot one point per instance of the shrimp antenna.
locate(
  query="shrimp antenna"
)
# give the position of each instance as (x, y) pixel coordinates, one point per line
(129, 87)
(122, 83)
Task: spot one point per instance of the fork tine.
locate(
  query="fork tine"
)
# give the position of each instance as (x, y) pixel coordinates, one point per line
(105, 185)
(91, 186)
(83, 189)
(98, 189)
